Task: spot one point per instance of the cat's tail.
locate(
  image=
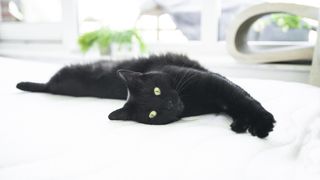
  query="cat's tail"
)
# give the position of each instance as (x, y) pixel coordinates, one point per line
(33, 87)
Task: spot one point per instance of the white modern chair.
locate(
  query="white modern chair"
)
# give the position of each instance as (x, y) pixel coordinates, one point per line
(240, 50)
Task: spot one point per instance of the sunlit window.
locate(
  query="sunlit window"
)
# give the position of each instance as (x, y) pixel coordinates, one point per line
(30, 11)
(156, 20)
(155, 28)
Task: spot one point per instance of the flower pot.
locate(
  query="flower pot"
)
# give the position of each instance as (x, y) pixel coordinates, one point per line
(104, 51)
(121, 51)
(274, 33)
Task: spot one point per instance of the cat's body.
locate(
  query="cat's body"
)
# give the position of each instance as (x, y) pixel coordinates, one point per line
(185, 89)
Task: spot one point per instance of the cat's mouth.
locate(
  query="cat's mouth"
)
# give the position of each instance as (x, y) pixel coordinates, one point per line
(179, 107)
(175, 105)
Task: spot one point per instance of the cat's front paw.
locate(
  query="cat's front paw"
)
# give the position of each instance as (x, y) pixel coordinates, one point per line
(261, 125)
(239, 126)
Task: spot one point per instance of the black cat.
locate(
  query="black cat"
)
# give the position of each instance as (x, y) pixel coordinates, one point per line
(160, 90)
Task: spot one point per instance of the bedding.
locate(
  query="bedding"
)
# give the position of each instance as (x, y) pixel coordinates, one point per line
(44, 136)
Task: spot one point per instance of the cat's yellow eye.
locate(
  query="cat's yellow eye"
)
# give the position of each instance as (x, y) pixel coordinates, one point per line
(157, 91)
(152, 114)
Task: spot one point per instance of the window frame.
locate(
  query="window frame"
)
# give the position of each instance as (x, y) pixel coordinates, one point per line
(16, 31)
(64, 32)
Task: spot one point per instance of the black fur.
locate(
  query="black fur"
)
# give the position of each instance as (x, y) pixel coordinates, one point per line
(33, 87)
(187, 89)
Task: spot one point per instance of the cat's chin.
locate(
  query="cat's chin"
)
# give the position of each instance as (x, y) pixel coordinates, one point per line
(179, 107)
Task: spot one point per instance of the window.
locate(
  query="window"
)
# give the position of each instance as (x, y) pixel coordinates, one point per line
(173, 21)
(177, 25)
(21, 18)
(161, 28)
(31, 11)
(38, 21)
(184, 24)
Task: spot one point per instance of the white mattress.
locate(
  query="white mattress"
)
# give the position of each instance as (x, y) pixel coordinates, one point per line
(45, 136)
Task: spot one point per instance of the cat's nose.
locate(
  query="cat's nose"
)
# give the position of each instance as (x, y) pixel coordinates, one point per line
(170, 105)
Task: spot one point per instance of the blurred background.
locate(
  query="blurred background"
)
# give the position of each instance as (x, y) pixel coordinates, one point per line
(78, 30)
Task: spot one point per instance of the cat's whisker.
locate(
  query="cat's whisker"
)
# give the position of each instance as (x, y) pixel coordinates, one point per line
(187, 82)
(182, 84)
(175, 80)
(179, 81)
(182, 81)
(189, 75)
(184, 95)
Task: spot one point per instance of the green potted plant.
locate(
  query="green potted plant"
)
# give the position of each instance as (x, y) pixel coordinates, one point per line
(280, 27)
(104, 38)
(289, 21)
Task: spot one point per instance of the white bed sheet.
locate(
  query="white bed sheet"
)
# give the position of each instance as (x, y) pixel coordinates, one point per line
(46, 136)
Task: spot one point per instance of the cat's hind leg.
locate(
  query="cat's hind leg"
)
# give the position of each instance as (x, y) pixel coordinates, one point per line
(72, 81)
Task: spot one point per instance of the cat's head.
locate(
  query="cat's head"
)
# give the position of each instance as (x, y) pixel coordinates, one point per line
(152, 98)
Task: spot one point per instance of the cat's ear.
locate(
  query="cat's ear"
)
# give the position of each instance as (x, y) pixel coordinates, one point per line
(119, 114)
(128, 75)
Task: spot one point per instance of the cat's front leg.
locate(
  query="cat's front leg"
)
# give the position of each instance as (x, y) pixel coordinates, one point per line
(246, 112)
